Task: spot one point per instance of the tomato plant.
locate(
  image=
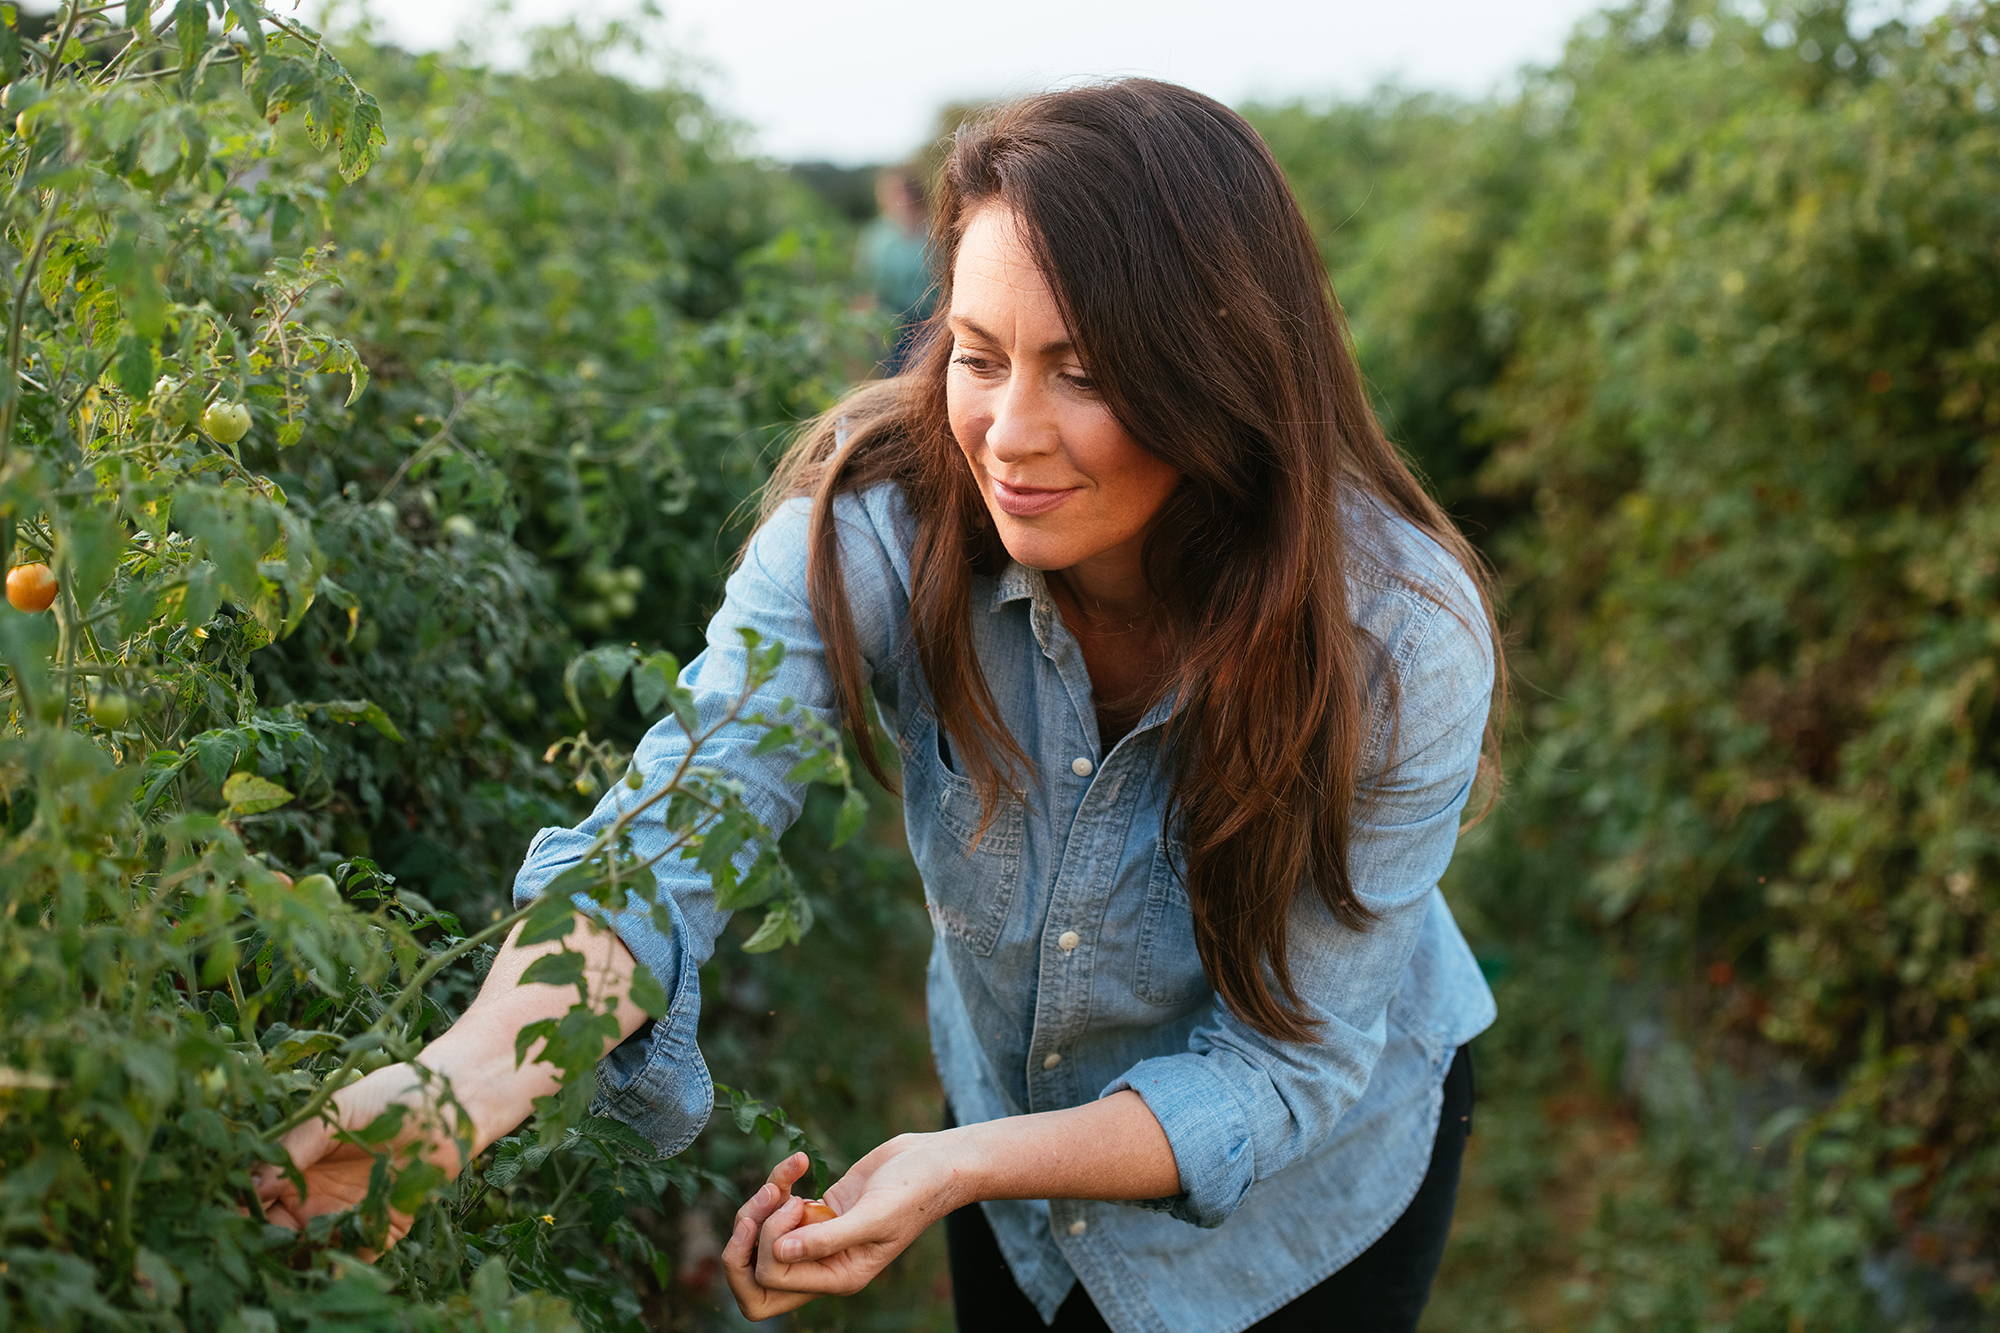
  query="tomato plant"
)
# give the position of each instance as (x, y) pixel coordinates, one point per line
(276, 666)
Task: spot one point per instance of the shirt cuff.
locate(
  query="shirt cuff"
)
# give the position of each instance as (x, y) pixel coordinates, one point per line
(1206, 1128)
(655, 1081)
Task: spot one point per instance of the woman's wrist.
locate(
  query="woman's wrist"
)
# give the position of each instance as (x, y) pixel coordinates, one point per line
(963, 1169)
(1107, 1149)
(476, 1057)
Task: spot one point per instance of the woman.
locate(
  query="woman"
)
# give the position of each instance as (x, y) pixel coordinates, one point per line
(1191, 682)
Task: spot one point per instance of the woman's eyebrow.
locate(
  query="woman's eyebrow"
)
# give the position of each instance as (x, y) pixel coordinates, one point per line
(1048, 349)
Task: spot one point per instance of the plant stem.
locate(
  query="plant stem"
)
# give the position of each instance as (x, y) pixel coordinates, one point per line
(437, 963)
(11, 406)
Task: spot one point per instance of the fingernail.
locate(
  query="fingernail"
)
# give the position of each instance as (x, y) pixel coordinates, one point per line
(789, 1249)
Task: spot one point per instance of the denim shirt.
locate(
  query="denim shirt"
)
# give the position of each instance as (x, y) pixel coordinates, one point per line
(1064, 965)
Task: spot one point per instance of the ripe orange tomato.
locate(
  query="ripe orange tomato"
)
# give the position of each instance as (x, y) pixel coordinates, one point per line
(817, 1210)
(30, 587)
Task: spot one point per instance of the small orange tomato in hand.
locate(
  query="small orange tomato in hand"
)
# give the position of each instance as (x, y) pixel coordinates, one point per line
(30, 587)
(817, 1210)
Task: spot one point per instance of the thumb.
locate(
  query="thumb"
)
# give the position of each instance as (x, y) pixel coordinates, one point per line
(304, 1145)
(822, 1240)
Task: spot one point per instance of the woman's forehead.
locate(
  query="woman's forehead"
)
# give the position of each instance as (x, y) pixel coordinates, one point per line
(998, 290)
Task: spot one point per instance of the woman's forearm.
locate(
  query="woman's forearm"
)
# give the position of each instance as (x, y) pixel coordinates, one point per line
(477, 1052)
(1112, 1148)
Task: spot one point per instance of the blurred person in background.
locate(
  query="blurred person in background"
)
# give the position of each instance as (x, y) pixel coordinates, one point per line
(893, 257)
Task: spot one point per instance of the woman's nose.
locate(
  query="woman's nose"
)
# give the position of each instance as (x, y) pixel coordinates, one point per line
(1022, 425)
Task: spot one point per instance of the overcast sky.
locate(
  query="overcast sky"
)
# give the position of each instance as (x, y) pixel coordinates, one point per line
(862, 81)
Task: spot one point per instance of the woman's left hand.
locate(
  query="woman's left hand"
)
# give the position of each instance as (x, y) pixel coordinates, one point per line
(775, 1262)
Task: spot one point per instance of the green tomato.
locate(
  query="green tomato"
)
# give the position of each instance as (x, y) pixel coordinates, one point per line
(225, 422)
(167, 403)
(458, 525)
(635, 779)
(316, 886)
(622, 603)
(585, 785)
(20, 94)
(629, 578)
(110, 710)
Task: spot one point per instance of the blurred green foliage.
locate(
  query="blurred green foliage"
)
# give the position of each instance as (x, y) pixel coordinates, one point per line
(1701, 333)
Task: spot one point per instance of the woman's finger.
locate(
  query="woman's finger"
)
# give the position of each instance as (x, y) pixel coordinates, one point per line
(737, 1256)
(786, 1173)
(820, 1240)
(776, 1276)
(760, 1205)
(304, 1145)
(781, 1221)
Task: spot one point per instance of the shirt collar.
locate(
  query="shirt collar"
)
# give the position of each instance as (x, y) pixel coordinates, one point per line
(1017, 581)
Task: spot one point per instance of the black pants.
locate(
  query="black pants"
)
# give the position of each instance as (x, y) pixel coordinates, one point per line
(1381, 1289)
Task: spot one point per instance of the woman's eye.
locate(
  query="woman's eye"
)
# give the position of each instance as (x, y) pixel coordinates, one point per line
(1083, 382)
(977, 365)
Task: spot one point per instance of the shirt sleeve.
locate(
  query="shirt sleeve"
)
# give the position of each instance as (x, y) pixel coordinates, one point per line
(656, 1081)
(1238, 1106)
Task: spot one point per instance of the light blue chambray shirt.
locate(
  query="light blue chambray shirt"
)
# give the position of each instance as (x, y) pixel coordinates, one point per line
(1064, 967)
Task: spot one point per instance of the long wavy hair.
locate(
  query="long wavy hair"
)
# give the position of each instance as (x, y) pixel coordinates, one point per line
(1192, 288)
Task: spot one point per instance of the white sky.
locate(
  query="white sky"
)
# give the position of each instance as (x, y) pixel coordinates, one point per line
(861, 81)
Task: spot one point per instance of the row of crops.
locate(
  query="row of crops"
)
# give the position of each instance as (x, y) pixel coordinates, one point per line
(382, 422)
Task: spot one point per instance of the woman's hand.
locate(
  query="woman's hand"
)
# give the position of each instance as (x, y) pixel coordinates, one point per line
(478, 1087)
(776, 1262)
(336, 1172)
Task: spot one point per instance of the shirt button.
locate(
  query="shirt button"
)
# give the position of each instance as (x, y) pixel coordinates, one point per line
(1078, 1227)
(1081, 766)
(1052, 1059)
(1068, 940)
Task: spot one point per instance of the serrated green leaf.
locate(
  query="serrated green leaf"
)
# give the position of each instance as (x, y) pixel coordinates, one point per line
(551, 918)
(250, 794)
(249, 18)
(647, 992)
(654, 680)
(554, 969)
(361, 138)
(778, 928)
(852, 816)
(134, 366)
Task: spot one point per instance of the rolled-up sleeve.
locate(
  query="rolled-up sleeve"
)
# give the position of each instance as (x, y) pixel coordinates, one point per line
(1238, 1106)
(656, 1080)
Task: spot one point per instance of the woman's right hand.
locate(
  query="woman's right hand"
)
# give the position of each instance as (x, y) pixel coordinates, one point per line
(337, 1172)
(476, 1058)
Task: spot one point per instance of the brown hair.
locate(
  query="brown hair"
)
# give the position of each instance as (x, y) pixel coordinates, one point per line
(1192, 287)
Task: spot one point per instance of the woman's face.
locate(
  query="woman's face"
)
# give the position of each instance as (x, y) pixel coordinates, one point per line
(1068, 488)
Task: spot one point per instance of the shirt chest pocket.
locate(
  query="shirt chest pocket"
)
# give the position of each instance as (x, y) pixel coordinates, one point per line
(969, 881)
(1168, 970)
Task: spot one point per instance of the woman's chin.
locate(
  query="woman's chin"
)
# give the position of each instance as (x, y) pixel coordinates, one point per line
(1033, 549)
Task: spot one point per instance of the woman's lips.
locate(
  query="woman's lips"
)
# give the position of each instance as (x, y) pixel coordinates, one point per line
(1026, 503)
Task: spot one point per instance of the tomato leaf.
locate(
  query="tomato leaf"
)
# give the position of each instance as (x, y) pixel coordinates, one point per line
(249, 794)
(554, 969)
